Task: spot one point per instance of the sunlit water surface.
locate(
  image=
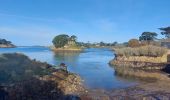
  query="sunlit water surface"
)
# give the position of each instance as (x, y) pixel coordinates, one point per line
(91, 64)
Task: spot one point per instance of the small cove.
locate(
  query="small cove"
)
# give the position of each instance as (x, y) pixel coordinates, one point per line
(91, 64)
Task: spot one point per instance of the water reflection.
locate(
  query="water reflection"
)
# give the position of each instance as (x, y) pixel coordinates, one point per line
(66, 57)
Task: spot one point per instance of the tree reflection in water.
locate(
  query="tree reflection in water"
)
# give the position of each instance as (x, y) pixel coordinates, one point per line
(66, 57)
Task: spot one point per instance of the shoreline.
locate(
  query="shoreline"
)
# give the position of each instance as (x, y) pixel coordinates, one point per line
(7, 46)
(65, 49)
(142, 91)
(140, 69)
(37, 76)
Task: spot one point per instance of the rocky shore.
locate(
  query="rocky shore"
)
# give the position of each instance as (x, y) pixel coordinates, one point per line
(142, 91)
(22, 78)
(143, 67)
(7, 46)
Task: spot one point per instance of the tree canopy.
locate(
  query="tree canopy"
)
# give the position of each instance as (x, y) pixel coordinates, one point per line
(148, 36)
(60, 40)
(73, 37)
(165, 31)
(5, 42)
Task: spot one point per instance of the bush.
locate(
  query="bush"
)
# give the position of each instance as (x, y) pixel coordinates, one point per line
(149, 50)
(15, 67)
(133, 43)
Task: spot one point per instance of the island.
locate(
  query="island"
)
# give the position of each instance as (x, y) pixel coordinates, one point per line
(6, 44)
(66, 43)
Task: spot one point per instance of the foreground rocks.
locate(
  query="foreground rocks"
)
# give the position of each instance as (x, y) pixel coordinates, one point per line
(132, 93)
(137, 67)
(25, 79)
(69, 83)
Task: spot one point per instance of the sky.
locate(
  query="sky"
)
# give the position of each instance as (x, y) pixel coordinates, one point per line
(37, 22)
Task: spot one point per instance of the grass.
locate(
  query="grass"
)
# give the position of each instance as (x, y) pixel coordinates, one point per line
(149, 51)
(16, 67)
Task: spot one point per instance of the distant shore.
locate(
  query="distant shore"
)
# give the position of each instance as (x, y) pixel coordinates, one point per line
(7, 46)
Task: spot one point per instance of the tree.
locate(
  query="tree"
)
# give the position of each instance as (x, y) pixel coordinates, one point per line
(73, 37)
(3, 41)
(114, 43)
(148, 36)
(133, 43)
(165, 31)
(125, 44)
(60, 40)
(102, 44)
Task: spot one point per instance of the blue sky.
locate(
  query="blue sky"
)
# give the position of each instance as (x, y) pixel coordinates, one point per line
(36, 22)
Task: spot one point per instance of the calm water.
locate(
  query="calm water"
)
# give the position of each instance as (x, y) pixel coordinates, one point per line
(91, 65)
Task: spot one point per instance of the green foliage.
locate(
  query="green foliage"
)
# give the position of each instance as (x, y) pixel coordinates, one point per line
(165, 31)
(149, 50)
(114, 43)
(102, 44)
(148, 36)
(133, 43)
(5, 42)
(73, 37)
(16, 67)
(64, 40)
(60, 40)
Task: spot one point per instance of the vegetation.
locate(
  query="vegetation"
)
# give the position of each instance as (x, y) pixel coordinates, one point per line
(148, 36)
(60, 40)
(25, 79)
(73, 37)
(100, 44)
(133, 43)
(149, 50)
(165, 31)
(66, 42)
(16, 67)
(5, 43)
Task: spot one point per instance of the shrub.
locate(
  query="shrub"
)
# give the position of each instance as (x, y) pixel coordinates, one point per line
(133, 43)
(149, 50)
